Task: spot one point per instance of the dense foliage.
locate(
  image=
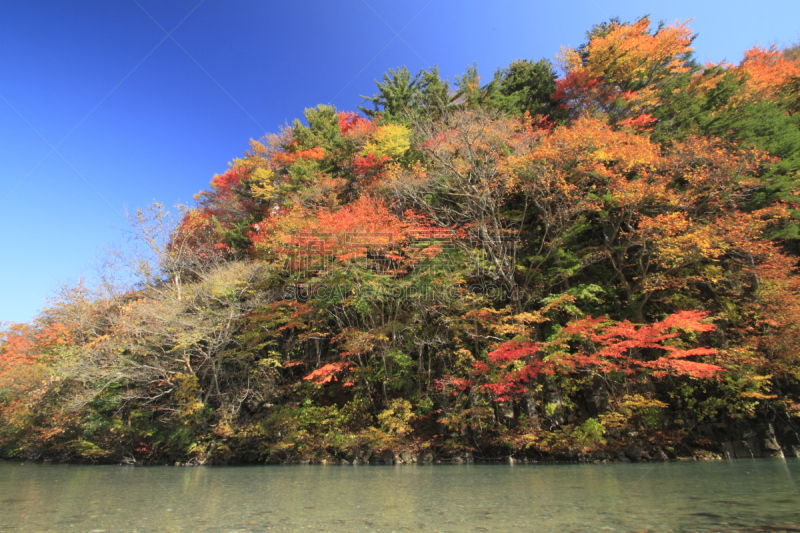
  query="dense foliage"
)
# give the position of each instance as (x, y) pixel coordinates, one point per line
(540, 265)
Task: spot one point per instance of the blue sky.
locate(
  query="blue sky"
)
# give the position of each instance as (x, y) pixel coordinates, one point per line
(107, 106)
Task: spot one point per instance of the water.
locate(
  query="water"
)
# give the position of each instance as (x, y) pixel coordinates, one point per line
(761, 495)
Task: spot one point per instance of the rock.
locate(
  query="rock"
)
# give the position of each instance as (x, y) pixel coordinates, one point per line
(742, 450)
(727, 450)
(351, 455)
(599, 455)
(770, 442)
(599, 396)
(634, 453)
(345, 462)
(659, 456)
(754, 444)
(357, 461)
(366, 456)
(427, 458)
(407, 457)
(621, 457)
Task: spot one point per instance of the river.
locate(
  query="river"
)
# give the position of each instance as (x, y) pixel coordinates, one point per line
(719, 496)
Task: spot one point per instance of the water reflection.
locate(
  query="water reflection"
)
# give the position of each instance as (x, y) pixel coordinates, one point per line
(730, 496)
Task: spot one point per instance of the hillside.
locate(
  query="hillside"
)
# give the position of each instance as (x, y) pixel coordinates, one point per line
(587, 260)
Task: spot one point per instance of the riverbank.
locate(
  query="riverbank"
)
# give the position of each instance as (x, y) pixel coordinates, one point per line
(734, 440)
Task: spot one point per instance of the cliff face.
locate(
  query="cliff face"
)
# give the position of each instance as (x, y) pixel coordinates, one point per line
(596, 266)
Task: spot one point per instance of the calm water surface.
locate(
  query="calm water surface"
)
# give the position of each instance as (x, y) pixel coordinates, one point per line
(761, 495)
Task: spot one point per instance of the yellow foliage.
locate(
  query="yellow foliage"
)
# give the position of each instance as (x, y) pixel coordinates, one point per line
(390, 140)
(395, 419)
(262, 183)
(635, 403)
(568, 59)
(187, 395)
(518, 324)
(613, 420)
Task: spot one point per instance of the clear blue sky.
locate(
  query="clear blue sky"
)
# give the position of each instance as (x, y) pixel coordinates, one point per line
(108, 105)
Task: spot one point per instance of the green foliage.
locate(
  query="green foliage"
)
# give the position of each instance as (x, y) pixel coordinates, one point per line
(589, 434)
(322, 130)
(401, 94)
(525, 86)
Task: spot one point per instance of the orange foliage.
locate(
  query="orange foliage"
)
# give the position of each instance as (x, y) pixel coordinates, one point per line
(348, 232)
(767, 71)
(626, 63)
(327, 373)
(629, 53)
(776, 339)
(312, 154)
(17, 346)
(197, 234)
(590, 156)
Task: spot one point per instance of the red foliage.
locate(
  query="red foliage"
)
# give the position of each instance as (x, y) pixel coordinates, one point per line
(577, 89)
(327, 373)
(604, 347)
(619, 340)
(353, 125)
(512, 351)
(452, 383)
(641, 123)
(542, 123)
(369, 165)
(231, 179)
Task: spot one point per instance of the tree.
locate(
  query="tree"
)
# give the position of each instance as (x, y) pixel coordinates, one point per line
(623, 67)
(525, 86)
(400, 94)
